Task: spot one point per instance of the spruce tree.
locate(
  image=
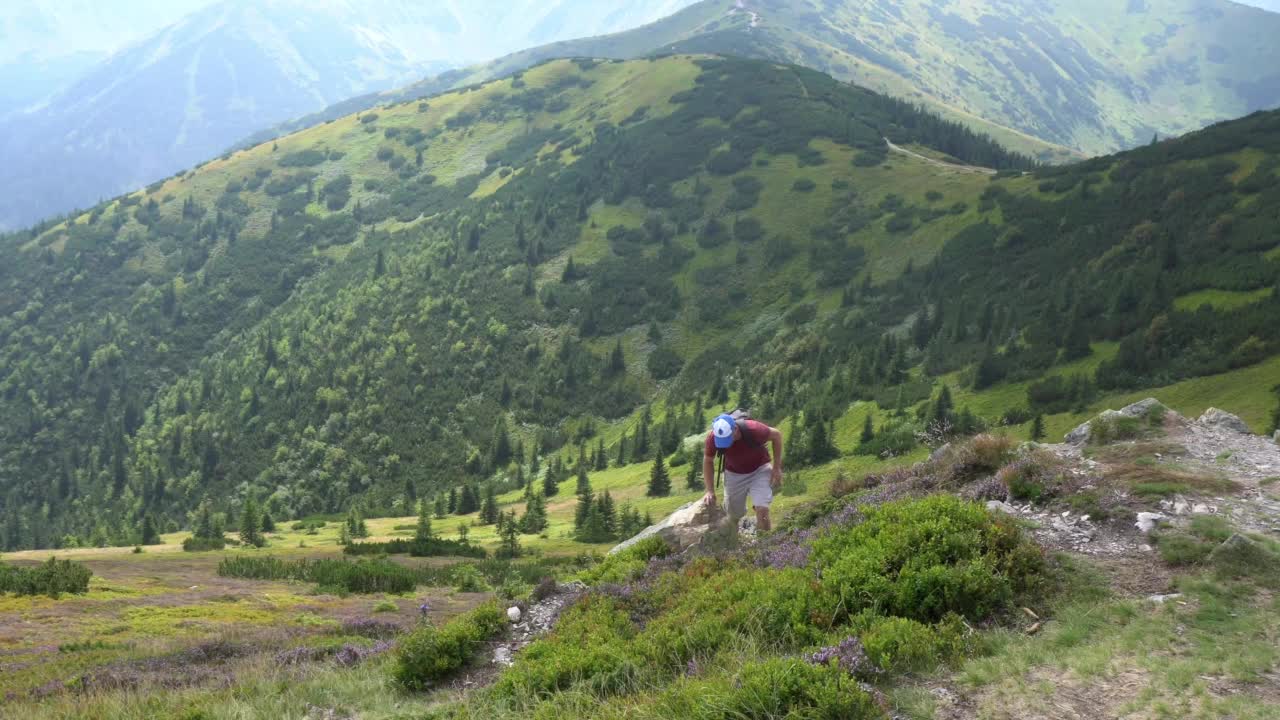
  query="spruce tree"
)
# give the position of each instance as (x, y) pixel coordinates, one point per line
(868, 430)
(551, 480)
(693, 479)
(659, 481)
(584, 482)
(622, 450)
(442, 507)
(251, 524)
(617, 360)
(489, 508)
(602, 460)
(1037, 428)
(581, 512)
(423, 529)
(150, 535)
(608, 514)
(268, 522)
(509, 538)
(453, 500)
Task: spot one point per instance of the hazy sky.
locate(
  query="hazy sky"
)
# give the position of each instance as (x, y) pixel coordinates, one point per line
(1272, 5)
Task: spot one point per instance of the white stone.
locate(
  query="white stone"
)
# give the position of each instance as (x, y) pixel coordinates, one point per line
(1181, 507)
(513, 614)
(1200, 509)
(1003, 507)
(1147, 521)
(1160, 599)
(1218, 418)
(502, 656)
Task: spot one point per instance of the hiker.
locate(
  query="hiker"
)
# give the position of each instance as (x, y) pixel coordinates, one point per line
(740, 443)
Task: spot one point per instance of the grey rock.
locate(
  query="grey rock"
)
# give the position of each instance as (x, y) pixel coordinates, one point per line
(1276, 437)
(1160, 599)
(1213, 417)
(681, 529)
(938, 454)
(1084, 431)
(1147, 521)
(1143, 408)
(1240, 555)
(502, 656)
(1003, 507)
(513, 614)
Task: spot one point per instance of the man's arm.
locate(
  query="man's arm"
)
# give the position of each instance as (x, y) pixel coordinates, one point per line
(775, 437)
(709, 477)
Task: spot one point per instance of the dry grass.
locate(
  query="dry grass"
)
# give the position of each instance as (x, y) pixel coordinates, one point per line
(1131, 452)
(1163, 480)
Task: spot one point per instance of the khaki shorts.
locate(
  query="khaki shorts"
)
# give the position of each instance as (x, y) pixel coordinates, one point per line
(737, 486)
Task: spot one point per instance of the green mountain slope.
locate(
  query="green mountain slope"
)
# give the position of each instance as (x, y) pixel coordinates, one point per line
(470, 290)
(1046, 79)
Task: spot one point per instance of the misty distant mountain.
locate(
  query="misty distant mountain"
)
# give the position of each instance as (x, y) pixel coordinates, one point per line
(188, 92)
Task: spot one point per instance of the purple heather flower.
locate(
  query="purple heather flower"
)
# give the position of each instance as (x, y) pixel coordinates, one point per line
(849, 656)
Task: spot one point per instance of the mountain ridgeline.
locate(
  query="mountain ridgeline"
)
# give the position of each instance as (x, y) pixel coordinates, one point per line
(460, 290)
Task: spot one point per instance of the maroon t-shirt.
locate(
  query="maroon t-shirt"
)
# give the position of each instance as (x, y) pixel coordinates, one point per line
(744, 456)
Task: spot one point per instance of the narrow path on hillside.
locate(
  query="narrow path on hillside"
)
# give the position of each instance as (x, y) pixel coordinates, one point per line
(939, 163)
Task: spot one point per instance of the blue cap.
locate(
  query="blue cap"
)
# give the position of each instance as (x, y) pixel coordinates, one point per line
(722, 430)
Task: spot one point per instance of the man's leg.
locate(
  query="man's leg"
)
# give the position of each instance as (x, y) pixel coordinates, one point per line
(762, 496)
(736, 488)
(763, 523)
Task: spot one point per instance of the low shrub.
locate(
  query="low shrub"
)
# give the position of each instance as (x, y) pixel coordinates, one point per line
(194, 544)
(1115, 428)
(429, 654)
(53, 578)
(1035, 477)
(627, 564)
(366, 576)
(385, 606)
(1181, 550)
(927, 558)
(777, 688)
(434, 547)
(466, 578)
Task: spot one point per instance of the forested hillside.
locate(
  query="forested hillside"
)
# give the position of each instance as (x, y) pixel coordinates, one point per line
(449, 292)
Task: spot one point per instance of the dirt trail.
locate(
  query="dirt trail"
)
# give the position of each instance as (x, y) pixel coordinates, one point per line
(939, 163)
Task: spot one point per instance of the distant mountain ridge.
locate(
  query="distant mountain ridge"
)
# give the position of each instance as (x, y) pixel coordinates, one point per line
(1054, 79)
(189, 92)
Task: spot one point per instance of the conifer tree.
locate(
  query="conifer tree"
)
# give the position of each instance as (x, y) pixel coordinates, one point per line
(442, 506)
(150, 535)
(659, 481)
(868, 430)
(453, 500)
(608, 514)
(268, 522)
(584, 483)
(509, 538)
(617, 360)
(1037, 428)
(489, 507)
(582, 511)
(602, 460)
(551, 480)
(535, 515)
(622, 450)
(251, 524)
(693, 479)
(423, 530)
(356, 527)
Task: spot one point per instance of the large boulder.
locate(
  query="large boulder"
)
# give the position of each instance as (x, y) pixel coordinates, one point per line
(1141, 409)
(683, 528)
(1213, 417)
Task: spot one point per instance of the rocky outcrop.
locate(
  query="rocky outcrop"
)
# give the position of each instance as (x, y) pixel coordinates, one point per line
(1140, 409)
(1213, 417)
(683, 528)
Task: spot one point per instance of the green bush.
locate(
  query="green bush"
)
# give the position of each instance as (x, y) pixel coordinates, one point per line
(367, 576)
(900, 645)
(627, 564)
(467, 578)
(194, 544)
(1114, 428)
(53, 578)
(777, 688)
(1180, 550)
(926, 558)
(429, 654)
